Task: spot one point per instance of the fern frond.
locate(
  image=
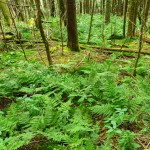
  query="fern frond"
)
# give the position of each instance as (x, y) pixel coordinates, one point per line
(104, 109)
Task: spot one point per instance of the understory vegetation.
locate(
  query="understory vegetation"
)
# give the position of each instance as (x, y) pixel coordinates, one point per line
(82, 107)
(100, 31)
(85, 101)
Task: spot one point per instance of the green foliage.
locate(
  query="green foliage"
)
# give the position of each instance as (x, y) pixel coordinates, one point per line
(127, 141)
(60, 108)
(83, 23)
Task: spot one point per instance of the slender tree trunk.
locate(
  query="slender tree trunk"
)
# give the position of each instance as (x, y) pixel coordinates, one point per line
(17, 33)
(97, 10)
(81, 4)
(3, 34)
(102, 5)
(87, 6)
(140, 41)
(72, 25)
(135, 15)
(90, 6)
(39, 14)
(92, 13)
(114, 3)
(107, 14)
(132, 17)
(62, 11)
(125, 16)
(119, 8)
(84, 6)
(52, 8)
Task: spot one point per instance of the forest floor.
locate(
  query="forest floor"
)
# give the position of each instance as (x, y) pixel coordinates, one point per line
(96, 53)
(72, 62)
(88, 100)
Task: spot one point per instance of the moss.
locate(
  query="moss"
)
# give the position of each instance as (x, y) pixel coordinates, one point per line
(5, 10)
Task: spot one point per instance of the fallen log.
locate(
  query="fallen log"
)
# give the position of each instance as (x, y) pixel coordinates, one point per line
(115, 49)
(127, 50)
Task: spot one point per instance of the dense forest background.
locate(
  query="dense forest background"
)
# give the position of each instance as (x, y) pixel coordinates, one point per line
(74, 74)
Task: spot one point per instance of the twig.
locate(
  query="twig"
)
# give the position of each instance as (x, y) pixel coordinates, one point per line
(41, 58)
(147, 146)
(141, 143)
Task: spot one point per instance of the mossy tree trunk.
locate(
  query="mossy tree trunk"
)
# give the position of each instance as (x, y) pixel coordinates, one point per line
(5, 10)
(147, 10)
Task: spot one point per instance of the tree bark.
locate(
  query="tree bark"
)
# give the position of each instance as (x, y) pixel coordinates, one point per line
(125, 16)
(62, 10)
(72, 25)
(132, 17)
(107, 13)
(81, 4)
(120, 8)
(114, 3)
(147, 10)
(52, 8)
(102, 5)
(39, 14)
(6, 12)
(87, 6)
(92, 13)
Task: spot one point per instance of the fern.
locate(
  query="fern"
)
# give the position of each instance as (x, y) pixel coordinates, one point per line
(127, 141)
(104, 109)
(59, 106)
(22, 139)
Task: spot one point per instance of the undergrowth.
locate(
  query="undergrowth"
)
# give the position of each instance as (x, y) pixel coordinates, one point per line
(100, 32)
(97, 29)
(97, 106)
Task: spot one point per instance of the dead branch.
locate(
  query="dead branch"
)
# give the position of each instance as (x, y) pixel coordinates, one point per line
(115, 49)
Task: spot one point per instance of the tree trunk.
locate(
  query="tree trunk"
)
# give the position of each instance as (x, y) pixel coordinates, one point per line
(72, 25)
(102, 5)
(92, 13)
(6, 12)
(132, 17)
(39, 15)
(114, 3)
(52, 8)
(125, 16)
(141, 38)
(87, 6)
(120, 8)
(147, 10)
(107, 13)
(62, 11)
(81, 4)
